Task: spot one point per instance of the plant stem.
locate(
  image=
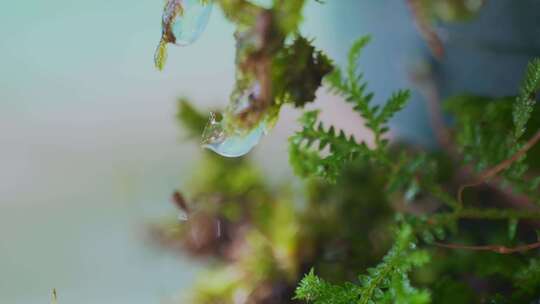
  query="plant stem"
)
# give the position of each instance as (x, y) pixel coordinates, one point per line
(488, 174)
(423, 23)
(495, 248)
(442, 219)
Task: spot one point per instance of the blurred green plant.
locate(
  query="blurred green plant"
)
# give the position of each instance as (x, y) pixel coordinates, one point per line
(381, 223)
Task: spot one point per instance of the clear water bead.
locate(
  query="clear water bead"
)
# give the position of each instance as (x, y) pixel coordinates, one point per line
(183, 22)
(231, 143)
(187, 19)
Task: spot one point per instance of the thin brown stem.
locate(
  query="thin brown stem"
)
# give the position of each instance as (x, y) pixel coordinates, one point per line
(492, 172)
(494, 248)
(422, 77)
(425, 27)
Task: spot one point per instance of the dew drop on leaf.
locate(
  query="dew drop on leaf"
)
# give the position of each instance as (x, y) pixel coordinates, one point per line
(231, 143)
(188, 25)
(183, 22)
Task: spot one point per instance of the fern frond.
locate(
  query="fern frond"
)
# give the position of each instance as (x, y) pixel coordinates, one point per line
(388, 282)
(524, 104)
(396, 103)
(353, 57)
(342, 149)
(389, 279)
(491, 131)
(354, 89)
(315, 290)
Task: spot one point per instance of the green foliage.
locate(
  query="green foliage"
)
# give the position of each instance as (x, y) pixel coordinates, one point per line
(482, 129)
(315, 290)
(406, 172)
(265, 238)
(298, 71)
(281, 72)
(289, 14)
(342, 149)
(524, 105)
(480, 123)
(489, 131)
(241, 12)
(353, 88)
(388, 282)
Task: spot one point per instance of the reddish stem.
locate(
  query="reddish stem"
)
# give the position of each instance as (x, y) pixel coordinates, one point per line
(492, 172)
(494, 248)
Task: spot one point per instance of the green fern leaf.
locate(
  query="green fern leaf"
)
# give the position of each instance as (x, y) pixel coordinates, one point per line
(387, 282)
(354, 89)
(524, 104)
(308, 160)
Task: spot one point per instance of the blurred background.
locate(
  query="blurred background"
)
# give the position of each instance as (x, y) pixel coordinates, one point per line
(90, 150)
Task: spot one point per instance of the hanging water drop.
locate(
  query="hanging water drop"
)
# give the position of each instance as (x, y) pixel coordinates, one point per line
(183, 22)
(190, 22)
(231, 143)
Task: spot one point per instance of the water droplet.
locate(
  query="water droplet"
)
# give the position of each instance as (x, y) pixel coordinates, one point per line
(183, 22)
(190, 22)
(229, 141)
